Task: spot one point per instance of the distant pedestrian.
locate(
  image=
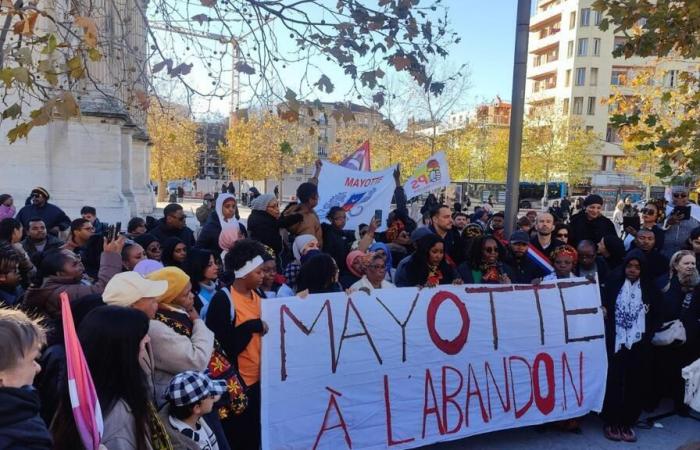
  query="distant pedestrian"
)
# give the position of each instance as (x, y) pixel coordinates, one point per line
(231, 188)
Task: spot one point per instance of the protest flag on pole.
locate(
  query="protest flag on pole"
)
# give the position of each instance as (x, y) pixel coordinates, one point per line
(359, 159)
(83, 397)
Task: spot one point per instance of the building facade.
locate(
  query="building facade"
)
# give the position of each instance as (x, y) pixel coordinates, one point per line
(571, 67)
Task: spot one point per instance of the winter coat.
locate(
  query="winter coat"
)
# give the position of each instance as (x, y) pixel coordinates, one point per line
(593, 230)
(21, 427)
(52, 215)
(263, 227)
(174, 352)
(46, 299)
(675, 306)
(465, 273)
(651, 296)
(208, 238)
(524, 270)
(310, 224)
(120, 428)
(52, 243)
(162, 233)
(337, 243)
(407, 275)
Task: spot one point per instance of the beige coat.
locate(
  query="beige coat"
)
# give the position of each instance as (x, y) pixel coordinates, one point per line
(174, 353)
(120, 429)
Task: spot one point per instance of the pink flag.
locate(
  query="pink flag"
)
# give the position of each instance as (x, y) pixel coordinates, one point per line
(83, 397)
(359, 160)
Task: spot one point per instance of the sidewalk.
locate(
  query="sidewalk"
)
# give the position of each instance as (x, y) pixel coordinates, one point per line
(675, 432)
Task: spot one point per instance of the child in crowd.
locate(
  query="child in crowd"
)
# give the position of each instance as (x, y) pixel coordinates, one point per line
(191, 395)
(10, 290)
(21, 339)
(564, 259)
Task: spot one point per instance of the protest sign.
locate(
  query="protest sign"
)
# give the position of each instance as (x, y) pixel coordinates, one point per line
(432, 174)
(358, 193)
(406, 367)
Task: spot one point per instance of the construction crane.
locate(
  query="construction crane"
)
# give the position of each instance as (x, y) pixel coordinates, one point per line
(236, 52)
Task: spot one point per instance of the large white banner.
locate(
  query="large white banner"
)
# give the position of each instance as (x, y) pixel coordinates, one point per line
(406, 367)
(359, 193)
(431, 174)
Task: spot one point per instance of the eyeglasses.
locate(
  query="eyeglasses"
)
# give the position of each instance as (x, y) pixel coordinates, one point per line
(680, 195)
(649, 211)
(88, 228)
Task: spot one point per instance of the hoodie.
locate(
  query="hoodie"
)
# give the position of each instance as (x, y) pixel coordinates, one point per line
(21, 428)
(46, 300)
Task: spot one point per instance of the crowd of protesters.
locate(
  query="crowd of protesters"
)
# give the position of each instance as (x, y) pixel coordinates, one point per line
(170, 322)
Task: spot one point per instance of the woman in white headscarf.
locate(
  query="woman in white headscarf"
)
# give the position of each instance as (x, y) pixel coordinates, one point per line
(222, 218)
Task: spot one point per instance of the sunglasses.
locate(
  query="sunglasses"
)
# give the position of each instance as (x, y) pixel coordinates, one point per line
(680, 195)
(649, 211)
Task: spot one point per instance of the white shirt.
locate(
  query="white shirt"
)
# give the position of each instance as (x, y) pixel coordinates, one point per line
(364, 283)
(203, 436)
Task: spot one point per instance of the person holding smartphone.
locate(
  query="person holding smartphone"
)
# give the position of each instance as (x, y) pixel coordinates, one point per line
(679, 221)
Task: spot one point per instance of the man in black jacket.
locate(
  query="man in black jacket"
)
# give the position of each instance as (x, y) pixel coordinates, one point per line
(524, 269)
(54, 218)
(657, 264)
(173, 224)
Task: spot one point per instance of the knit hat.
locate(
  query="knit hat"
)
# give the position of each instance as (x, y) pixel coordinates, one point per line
(190, 387)
(176, 278)
(593, 199)
(147, 266)
(260, 203)
(126, 288)
(352, 256)
(40, 190)
(299, 244)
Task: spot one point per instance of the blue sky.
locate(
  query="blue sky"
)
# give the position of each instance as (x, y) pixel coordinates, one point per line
(487, 29)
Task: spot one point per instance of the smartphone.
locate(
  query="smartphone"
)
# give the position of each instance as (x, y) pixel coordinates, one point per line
(682, 211)
(378, 216)
(110, 233)
(633, 222)
(117, 229)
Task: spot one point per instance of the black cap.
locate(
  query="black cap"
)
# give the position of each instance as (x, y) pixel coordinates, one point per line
(519, 236)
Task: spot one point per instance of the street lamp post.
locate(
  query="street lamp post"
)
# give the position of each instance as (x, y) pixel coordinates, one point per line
(517, 112)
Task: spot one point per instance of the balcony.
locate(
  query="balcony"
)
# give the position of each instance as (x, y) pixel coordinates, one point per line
(538, 44)
(545, 16)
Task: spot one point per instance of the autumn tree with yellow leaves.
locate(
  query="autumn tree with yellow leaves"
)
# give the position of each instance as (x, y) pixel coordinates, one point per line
(264, 145)
(175, 148)
(649, 155)
(555, 147)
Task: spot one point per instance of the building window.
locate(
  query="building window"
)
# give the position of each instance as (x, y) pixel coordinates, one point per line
(582, 47)
(618, 77)
(585, 16)
(612, 136)
(596, 46)
(537, 60)
(608, 163)
(570, 49)
(572, 20)
(567, 78)
(580, 76)
(578, 106)
(591, 106)
(565, 106)
(589, 128)
(597, 17)
(671, 78)
(594, 76)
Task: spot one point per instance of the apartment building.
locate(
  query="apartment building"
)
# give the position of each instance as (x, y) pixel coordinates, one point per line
(494, 114)
(570, 66)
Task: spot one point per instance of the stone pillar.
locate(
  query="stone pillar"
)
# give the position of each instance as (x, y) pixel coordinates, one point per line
(85, 166)
(145, 200)
(127, 168)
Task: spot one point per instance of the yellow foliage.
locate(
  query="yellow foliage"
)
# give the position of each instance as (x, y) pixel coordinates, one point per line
(264, 145)
(175, 149)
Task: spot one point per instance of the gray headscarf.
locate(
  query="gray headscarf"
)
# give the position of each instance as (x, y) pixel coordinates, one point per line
(261, 202)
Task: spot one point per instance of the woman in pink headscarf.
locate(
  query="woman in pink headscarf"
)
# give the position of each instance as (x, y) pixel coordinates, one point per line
(7, 208)
(356, 261)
